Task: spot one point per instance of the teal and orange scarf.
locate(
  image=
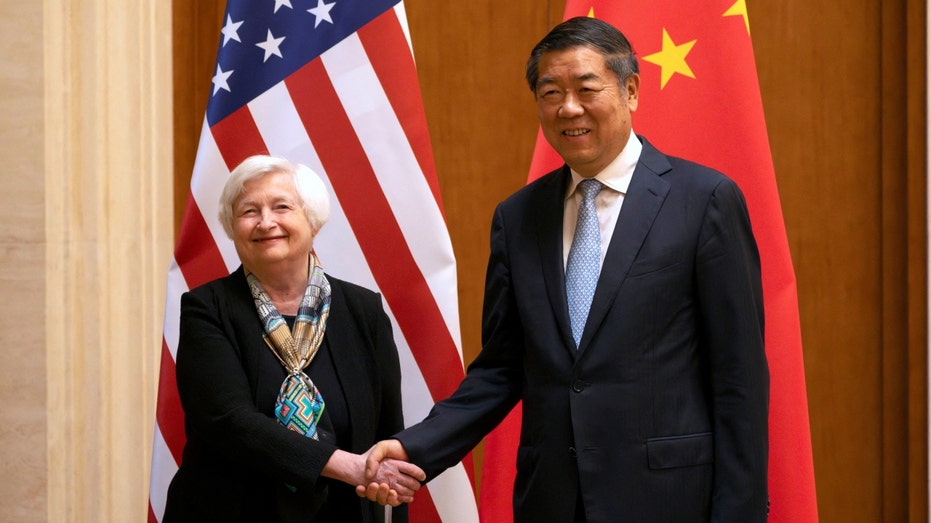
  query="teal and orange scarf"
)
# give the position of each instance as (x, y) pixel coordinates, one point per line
(300, 405)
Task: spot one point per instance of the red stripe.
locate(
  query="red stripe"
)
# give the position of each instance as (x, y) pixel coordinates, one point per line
(423, 509)
(389, 53)
(374, 225)
(169, 414)
(238, 137)
(391, 58)
(196, 253)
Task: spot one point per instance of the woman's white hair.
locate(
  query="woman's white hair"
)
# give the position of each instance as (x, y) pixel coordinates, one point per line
(310, 188)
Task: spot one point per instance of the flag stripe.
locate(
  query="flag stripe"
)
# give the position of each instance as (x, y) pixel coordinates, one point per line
(212, 173)
(238, 138)
(448, 492)
(169, 414)
(423, 509)
(387, 49)
(400, 178)
(161, 475)
(420, 322)
(197, 255)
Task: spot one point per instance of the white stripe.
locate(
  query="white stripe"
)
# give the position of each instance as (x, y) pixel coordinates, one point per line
(453, 496)
(280, 126)
(398, 173)
(210, 173)
(402, 18)
(163, 469)
(175, 288)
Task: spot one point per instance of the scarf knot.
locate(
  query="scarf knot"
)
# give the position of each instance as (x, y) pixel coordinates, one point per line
(300, 405)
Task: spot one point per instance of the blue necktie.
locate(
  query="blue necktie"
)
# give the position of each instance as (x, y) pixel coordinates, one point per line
(584, 261)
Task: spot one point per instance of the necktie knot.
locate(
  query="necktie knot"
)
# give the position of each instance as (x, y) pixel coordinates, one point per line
(590, 188)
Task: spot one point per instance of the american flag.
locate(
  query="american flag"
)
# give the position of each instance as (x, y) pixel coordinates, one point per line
(331, 85)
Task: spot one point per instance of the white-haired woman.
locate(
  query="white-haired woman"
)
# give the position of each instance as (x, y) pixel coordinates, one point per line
(286, 374)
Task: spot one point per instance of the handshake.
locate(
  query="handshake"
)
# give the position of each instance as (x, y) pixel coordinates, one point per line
(388, 478)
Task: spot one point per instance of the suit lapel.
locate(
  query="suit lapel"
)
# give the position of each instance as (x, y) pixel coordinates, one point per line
(552, 195)
(642, 203)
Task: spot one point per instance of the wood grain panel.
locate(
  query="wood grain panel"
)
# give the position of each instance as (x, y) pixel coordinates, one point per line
(916, 201)
(821, 95)
(835, 88)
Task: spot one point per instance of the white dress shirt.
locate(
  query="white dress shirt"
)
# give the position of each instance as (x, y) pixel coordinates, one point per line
(616, 178)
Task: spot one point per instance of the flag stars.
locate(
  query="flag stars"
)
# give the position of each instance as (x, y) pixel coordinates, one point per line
(322, 12)
(672, 59)
(230, 31)
(739, 9)
(220, 80)
(280, 3)
(271, 46)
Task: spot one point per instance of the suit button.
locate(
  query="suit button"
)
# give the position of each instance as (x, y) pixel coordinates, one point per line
(572, 452)
(578, 386)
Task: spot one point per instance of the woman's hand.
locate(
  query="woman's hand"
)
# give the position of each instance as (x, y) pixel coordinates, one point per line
(388, 475)
(391, 482)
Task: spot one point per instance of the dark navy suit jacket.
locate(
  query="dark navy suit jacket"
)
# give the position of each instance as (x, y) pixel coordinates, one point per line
(661, 414)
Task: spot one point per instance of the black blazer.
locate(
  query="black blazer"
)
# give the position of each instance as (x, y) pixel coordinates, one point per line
(661, 415)
(238, 460)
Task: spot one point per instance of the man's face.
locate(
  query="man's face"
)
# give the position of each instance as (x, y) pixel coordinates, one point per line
(584, 113)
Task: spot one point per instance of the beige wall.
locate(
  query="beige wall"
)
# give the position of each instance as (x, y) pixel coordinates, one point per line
(22, 251)
(85, 243)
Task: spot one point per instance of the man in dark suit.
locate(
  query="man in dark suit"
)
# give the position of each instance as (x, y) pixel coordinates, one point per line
(629, 321)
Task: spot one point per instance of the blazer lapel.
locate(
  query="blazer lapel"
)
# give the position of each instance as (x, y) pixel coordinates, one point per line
(348, 365)
(642, 203)
(547, 205)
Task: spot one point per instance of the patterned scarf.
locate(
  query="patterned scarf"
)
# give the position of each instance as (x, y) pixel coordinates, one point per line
(300, 405)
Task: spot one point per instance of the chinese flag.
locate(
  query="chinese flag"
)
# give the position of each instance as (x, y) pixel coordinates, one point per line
(700, 100)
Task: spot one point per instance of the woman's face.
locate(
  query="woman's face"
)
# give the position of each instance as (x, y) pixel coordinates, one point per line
(269, 224)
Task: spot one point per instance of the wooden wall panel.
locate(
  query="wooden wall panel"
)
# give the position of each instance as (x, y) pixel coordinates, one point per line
(850, 168)
(821, 96)
(915, 280)
(843, 89)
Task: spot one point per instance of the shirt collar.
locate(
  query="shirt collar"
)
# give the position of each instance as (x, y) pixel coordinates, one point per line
(618, 173)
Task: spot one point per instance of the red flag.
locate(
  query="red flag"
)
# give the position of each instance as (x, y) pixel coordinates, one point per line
(333, 86)
(700, 100)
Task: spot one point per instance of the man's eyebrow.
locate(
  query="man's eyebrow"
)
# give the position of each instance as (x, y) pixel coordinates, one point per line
(589, 76)
(544, 80)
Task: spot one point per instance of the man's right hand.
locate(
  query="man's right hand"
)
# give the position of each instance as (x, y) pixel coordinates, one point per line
(387, 470)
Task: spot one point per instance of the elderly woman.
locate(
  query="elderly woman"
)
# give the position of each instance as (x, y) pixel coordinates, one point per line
(285, 373)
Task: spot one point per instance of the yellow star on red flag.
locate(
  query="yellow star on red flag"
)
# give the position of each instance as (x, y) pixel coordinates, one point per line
(672, 59)
(739, 9)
